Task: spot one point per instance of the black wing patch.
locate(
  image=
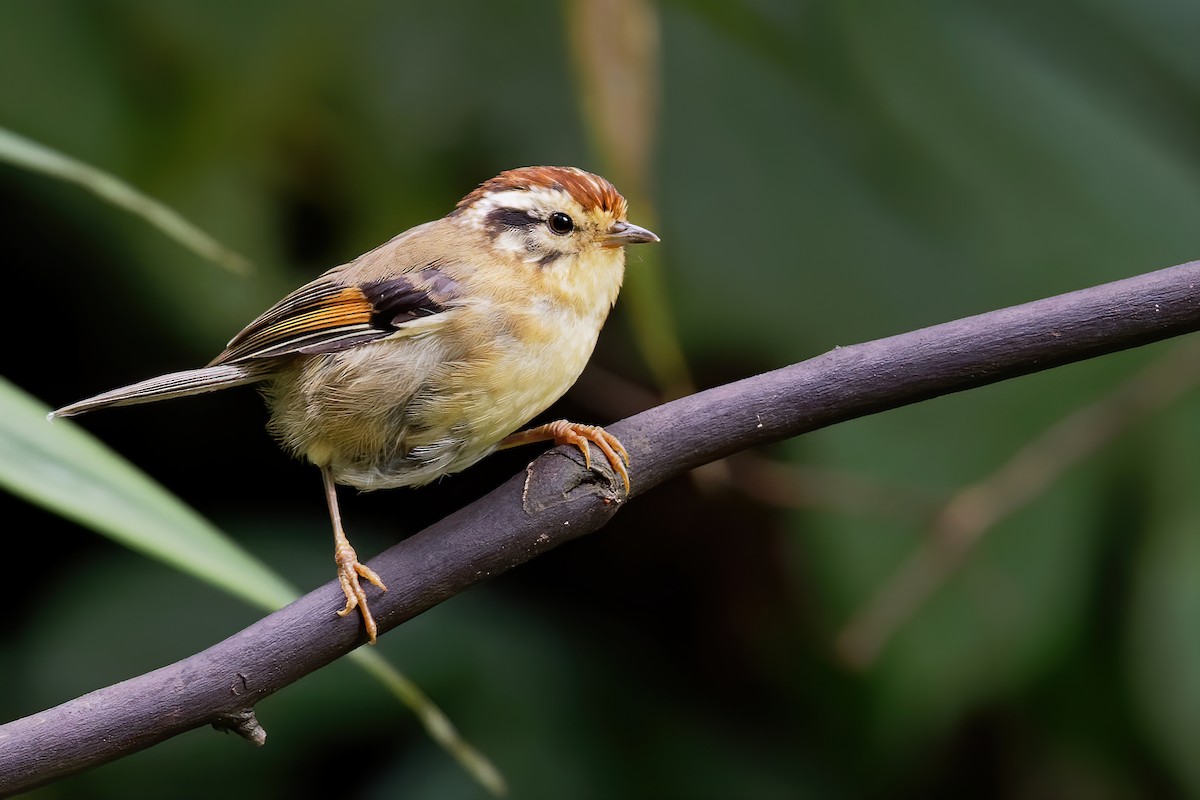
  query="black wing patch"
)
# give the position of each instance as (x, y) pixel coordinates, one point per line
(396, 301)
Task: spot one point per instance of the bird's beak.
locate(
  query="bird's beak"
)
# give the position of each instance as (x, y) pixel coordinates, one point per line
(622, 233)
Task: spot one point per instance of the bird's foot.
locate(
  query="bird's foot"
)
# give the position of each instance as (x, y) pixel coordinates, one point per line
(350, 569)
(574, 433)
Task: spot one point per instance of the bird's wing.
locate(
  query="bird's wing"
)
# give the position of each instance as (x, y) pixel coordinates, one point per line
(326, 316)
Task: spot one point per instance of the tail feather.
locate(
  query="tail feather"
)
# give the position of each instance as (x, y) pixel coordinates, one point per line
(165, 387)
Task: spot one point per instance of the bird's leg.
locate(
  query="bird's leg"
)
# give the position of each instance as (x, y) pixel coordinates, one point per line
(563, 432)
(349, 568)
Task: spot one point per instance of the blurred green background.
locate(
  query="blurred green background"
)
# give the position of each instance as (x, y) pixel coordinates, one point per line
(821, 173)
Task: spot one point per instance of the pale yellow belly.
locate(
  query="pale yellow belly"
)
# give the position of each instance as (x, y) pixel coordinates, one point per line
(419, 410)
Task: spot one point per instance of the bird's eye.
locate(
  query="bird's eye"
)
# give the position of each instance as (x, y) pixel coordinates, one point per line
(560, 223)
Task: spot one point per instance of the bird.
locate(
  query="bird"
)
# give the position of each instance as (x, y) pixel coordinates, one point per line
(426, 354)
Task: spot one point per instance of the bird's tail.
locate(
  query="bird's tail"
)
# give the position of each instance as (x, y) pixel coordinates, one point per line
(164, 387)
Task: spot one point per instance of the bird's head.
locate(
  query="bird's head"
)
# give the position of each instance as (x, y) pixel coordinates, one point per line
(551, 216)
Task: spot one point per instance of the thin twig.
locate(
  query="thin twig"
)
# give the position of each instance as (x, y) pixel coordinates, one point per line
(784, 485)
(615, 49)
(555, 501)
(977, 509)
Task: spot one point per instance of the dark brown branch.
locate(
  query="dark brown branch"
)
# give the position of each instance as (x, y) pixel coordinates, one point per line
(555, 501)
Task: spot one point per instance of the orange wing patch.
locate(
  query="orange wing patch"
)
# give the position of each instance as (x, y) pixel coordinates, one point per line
(347, 307)
(320, 314)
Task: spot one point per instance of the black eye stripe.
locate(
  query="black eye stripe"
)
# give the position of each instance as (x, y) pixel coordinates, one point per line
(500, 218)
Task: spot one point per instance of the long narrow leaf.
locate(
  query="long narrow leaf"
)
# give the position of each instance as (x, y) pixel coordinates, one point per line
(58, 465)
(436, 723)
(26, 153)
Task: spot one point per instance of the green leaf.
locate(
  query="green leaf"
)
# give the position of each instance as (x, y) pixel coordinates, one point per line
(26, 153)
(436, 723)
(58, 465)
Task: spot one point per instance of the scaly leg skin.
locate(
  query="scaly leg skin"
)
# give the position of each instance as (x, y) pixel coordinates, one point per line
(563, 432)
(349, 568)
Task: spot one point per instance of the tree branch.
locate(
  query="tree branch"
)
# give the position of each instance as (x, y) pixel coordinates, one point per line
(555, 501)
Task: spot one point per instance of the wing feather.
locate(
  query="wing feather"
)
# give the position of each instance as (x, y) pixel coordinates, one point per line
(327, 316)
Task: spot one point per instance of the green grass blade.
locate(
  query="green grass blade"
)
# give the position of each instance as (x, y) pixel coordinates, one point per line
(58, 465)
(436, 724)
(28, 154)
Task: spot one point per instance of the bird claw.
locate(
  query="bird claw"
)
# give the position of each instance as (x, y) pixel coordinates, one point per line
(579, 435)
(350, 569)
(610, 446)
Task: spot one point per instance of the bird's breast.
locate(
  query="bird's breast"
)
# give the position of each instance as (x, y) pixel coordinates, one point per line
(433, 405)
(543, 352)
